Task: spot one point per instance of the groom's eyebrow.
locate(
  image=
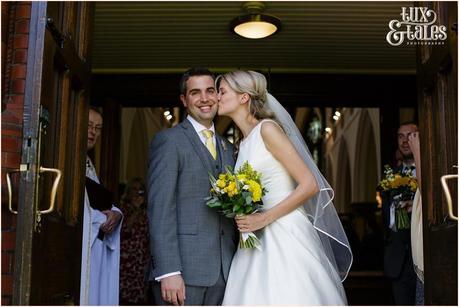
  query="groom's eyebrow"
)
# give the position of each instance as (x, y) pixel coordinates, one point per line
(197, 90)
(193, 90)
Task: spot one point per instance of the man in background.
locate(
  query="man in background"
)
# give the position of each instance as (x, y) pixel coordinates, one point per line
(398, 261)
(101, 233)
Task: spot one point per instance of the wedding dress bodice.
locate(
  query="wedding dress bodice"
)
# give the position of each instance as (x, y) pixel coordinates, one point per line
(274, 177)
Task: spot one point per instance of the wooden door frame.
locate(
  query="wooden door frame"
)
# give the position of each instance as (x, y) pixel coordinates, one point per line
(26, 211)
(79, 69)
(438, 154)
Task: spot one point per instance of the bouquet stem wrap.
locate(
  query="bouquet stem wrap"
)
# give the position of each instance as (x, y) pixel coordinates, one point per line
(249, 240)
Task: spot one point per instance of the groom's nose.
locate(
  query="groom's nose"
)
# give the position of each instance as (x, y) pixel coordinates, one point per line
(205, 97)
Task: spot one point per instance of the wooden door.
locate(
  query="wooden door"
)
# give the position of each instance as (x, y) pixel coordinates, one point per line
(437, 81)
(48, 248)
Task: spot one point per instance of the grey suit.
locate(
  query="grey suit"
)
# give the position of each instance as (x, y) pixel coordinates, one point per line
(186, 235)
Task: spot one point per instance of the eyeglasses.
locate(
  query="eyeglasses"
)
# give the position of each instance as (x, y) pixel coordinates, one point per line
(96, 128)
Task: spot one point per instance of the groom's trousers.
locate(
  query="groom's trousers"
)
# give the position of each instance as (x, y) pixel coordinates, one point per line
(196, 295)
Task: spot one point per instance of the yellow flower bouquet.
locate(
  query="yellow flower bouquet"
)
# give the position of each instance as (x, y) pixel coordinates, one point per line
(238, 193)
(401, 187)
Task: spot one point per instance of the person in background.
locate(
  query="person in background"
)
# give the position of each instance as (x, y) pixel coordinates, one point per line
(135, 253)
(101, 233)
(398, 261)
(398, 158)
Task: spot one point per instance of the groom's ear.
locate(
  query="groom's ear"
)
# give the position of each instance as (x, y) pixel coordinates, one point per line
(182, 98)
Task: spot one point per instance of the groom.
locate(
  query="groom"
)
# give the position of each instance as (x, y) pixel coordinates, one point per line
(191, 245)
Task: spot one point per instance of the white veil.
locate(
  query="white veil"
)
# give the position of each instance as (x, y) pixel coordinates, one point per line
(319, 208)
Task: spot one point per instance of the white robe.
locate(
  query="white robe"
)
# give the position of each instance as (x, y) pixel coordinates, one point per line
(100, 260)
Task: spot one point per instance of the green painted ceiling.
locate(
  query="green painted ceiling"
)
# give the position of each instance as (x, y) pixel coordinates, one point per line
(317, 37)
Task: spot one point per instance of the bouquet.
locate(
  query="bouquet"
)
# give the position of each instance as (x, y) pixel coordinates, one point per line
(401, 187)
(238, 193)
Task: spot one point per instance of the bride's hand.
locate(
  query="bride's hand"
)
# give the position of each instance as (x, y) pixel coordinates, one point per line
(252, 222)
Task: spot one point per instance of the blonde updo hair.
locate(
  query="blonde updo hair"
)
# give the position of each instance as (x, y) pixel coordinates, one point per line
(254, 84)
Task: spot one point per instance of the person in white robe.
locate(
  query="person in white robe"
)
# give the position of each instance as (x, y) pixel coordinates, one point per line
(100, 254)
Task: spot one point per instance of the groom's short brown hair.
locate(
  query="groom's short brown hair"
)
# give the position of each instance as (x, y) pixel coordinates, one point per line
(194, 71)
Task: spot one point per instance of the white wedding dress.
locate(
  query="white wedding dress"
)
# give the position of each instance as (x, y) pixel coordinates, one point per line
(292, 267)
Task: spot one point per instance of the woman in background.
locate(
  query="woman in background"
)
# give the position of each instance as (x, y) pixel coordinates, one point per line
(135, 252)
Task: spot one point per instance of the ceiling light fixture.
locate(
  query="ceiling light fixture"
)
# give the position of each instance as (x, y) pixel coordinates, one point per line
(255, 24)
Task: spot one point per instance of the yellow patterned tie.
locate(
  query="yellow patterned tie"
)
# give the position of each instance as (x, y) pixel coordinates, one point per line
(208, 134)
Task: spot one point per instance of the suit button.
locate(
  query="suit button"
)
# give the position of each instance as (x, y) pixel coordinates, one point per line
(216, 166)
(223, 233)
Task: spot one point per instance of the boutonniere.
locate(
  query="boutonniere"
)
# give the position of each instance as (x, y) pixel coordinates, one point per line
(223, 145)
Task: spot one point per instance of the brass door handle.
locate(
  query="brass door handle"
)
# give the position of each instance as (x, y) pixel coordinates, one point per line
(54, 188)
(10, 190)
(22, 168)
(449, 201)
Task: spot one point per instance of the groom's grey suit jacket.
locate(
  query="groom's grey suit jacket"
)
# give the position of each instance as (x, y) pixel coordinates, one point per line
(186, 235)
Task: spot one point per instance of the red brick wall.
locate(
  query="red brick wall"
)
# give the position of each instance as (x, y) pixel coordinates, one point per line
(15, 30)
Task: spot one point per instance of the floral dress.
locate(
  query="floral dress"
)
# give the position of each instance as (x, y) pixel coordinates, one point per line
(135, 255)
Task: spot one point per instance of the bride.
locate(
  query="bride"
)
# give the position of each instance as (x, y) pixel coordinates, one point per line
(304, 254)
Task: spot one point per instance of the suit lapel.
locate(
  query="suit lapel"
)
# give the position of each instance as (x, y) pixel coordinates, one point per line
(201, 150)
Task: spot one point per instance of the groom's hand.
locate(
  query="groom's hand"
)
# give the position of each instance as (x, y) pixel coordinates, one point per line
(173, 289)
